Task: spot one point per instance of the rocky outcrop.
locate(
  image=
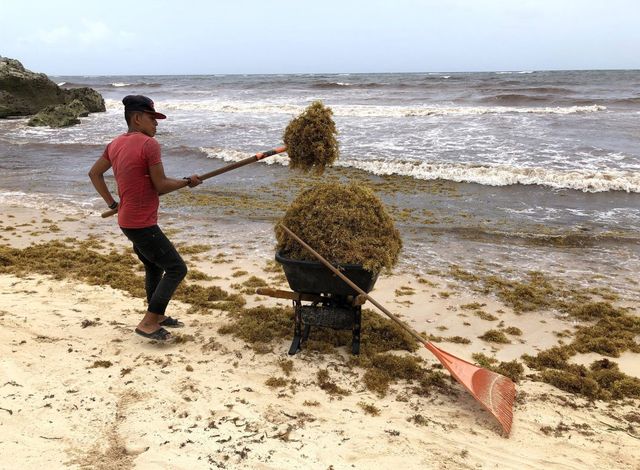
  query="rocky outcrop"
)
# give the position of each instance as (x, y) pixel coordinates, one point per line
(61, 115)
(24, 93)
(90, 98)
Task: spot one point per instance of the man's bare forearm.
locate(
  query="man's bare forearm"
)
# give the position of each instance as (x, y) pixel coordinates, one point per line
(102, 188)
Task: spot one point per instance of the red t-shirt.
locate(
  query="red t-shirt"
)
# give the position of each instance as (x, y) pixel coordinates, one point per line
(131, 155)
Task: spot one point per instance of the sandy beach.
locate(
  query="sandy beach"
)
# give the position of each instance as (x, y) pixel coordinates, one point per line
(78, 389)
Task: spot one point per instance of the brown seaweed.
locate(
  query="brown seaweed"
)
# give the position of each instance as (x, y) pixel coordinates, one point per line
(345, 223)
(311, 139)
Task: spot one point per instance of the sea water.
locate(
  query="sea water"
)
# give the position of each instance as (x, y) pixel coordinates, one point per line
(530, 159)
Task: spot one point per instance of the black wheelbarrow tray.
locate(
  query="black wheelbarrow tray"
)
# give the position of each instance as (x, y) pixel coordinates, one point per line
(312, 277)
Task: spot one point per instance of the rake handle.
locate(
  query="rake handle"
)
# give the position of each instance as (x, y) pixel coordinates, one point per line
(219, 171)
(355, 287)
(246, 161)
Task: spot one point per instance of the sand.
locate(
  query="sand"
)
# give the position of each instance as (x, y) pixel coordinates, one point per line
(78, 389)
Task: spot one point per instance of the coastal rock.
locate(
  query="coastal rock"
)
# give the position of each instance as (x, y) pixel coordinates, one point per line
(90, 99)
(23, 93)
(62, 115)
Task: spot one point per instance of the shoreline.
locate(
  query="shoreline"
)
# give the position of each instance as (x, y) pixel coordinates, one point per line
(442, 223)
(98, 396)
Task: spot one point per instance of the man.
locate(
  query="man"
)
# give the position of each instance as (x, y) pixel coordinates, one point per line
(139, 174)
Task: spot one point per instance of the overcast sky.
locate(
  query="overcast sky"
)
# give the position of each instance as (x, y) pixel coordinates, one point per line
(297, 36)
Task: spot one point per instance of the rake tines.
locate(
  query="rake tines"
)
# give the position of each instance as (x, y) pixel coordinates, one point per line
(495, 392)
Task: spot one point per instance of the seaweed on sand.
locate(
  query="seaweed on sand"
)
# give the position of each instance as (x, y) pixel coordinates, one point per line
(345, 223)
(602, 380)
(512, 369)
(369, 408)
(329, 386)
(78, 260)
(311, 139)
(386, 368)
(261, 326)
(495, 336)
(62, 260)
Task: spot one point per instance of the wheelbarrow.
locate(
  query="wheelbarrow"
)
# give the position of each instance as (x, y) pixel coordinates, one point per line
(322, 299)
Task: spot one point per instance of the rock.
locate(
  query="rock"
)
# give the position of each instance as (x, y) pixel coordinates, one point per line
(90, 98)
(23, 93)
(62, 115)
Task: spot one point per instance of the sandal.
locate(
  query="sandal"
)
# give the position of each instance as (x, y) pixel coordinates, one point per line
(159, 335)
(171, 323)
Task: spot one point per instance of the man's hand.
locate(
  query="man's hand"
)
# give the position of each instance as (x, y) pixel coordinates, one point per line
(193, 181)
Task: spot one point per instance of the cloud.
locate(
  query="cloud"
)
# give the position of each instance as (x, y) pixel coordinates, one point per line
(54, 36)
(93, 32)
(87, 33)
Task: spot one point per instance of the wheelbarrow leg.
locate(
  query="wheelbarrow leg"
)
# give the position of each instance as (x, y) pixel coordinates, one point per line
(305, 333)
(355, 342)
(297, 333)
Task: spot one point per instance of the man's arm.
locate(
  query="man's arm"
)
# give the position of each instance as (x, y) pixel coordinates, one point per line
(96, 173)
(165, 185)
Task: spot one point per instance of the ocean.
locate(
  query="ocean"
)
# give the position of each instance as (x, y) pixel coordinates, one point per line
(503, 171)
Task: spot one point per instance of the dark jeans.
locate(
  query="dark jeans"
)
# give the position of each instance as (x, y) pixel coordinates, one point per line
(163, 266)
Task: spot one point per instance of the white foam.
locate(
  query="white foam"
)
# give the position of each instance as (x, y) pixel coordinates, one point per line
(61, 203)
(263, 107)
(502, 175)
(489, 175)
(120, 84)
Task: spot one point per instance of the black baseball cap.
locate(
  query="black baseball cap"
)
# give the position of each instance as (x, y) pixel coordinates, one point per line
(141, 103)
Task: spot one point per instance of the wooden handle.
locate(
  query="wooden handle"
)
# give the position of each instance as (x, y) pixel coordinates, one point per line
(109, 213)
(246, 161)
(285, 294)
(219, 171)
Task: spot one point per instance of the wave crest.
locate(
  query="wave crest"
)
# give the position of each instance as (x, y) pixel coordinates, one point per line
(502, 175)
(140, 84)
(487, 175)
(338, 85)
(260, 108)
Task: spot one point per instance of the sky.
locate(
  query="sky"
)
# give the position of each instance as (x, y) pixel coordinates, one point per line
(171, 37)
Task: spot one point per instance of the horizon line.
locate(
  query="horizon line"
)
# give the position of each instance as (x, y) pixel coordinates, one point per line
(517, 71)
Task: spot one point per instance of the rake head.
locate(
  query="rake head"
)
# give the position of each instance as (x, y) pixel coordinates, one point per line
(494, 391)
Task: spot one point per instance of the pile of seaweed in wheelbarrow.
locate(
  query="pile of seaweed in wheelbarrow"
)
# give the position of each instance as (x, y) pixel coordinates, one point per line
(350, 226)
(345, 223)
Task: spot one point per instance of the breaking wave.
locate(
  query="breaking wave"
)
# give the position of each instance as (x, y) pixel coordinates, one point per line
(497, 175)
(247, 107)
(338, 85)
(502, 175)
(61, 203)
(141, 84)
